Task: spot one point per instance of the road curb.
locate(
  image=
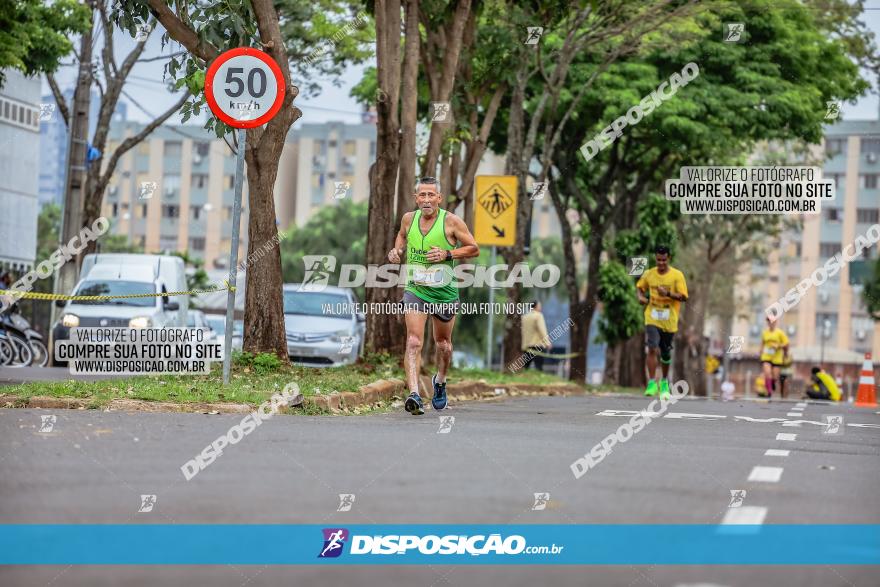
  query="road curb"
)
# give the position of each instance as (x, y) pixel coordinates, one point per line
(368, 396)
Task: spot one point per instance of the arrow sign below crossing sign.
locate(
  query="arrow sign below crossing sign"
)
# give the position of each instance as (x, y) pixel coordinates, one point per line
(495, 212)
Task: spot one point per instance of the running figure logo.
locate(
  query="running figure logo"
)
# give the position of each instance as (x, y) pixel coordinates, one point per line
(147, 503)
(832, 111)
(439, 111)
(639, 264)
(737, 496)
(495, 201)
(334, 540)
(341, 189)
(346, 500)
(833, 425)
(47, 112)
(541, 501)
(47, 423)
(318, 270)
(539, 190)
(346, 344)
(446, 423)
(735, 344)
(734, 31)
(534, 34)
(147, 189)
(143, 31)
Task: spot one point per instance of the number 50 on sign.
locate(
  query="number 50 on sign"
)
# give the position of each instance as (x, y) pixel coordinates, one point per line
(244, 87)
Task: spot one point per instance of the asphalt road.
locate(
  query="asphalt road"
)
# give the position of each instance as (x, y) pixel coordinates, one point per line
(14, 375)
(92, 467)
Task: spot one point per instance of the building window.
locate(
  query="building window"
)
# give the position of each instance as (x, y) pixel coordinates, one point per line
(199, 180)
(230, 182)
(5, 109)
(197, 243)
(868, 215)
(827, 250)
(168, 242)
(143, 210)
(348, 148)
(172, 149)
(202, 149)
(868, 181)
(170, 211)
(196, 211)
(833, 215)
(115, 209)
(871, 145)
(838, 179)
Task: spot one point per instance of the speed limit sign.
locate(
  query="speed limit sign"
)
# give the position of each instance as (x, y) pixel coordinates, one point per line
(244, 87)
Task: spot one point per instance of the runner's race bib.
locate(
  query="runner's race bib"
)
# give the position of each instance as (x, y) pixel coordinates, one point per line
(658, 314)
(429, 276)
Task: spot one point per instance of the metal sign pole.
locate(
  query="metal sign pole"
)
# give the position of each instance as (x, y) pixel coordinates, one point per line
(491, 316)
(233, 255)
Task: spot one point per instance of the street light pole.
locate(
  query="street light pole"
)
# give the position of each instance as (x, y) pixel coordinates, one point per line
(826, 333)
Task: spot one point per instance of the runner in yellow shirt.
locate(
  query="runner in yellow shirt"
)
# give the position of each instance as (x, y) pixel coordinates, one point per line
(661, 290)
(774, 353)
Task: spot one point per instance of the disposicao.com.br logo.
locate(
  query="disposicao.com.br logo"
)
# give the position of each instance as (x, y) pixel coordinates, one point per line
(334, 541)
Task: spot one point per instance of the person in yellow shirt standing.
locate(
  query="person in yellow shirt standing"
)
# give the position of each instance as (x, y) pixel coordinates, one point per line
(774, 353)
(534, 337)
(661, 290)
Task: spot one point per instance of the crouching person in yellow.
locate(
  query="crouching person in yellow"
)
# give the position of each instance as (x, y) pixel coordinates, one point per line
(824, 386)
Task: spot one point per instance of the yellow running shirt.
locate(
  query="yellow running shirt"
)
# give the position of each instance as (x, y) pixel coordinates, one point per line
(662, 311)
(772, 344)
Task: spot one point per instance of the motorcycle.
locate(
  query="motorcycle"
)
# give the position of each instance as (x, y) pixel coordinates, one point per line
(21, 345)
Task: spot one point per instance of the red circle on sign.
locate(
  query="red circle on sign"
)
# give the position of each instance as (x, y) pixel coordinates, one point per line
(209, 84)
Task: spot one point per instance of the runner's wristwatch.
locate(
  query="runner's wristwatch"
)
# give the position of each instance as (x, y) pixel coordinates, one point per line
(449, 255)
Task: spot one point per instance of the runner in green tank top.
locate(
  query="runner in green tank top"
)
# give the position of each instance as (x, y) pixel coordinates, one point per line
(426, 241)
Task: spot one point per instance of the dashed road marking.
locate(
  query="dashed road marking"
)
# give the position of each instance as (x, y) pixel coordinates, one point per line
(786, 436)
(745, 515)
(766, 474)
(801, 405)
(776, 452)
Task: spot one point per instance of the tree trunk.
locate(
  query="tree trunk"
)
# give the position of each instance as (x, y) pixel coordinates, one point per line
(263, 305)
(691, 349)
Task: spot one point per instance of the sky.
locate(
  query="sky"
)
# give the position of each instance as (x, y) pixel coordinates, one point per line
(334, 103)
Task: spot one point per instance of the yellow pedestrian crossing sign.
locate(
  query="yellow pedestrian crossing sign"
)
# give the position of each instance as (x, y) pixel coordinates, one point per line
(495, 212)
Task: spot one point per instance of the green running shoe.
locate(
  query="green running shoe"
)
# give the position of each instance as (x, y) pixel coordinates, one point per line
(651, 390)
(664, 389)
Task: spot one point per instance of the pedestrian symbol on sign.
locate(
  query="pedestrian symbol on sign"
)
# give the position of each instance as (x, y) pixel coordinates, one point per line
(495, 201)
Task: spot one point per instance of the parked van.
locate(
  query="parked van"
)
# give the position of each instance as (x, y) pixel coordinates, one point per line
(125, 274)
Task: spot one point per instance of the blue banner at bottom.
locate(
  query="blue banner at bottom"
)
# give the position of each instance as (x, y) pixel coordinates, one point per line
(607, 544)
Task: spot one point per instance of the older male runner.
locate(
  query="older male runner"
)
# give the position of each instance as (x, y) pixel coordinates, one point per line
(427, 237)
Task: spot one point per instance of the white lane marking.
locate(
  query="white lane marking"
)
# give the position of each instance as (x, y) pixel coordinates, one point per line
(747, 514)
(776, 452)
(786, 436)
(686, 416)
(717, 417)
(801, 405)
(794, 414)
(766, 474)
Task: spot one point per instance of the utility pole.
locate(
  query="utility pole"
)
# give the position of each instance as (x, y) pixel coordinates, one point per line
(77, 152)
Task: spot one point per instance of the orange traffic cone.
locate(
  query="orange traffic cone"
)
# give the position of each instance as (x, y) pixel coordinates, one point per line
(867, 395)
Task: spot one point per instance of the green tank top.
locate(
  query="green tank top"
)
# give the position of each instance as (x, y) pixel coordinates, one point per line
(433, 283)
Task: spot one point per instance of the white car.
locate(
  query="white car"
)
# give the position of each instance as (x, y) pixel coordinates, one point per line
(217, 323)
(122, 275)
(323, 328)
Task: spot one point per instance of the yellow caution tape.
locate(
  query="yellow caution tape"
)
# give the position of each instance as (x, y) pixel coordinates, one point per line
(549, 356)
(33, 295)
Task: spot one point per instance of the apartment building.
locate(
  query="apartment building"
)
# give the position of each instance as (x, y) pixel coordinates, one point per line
(830, 320)
(174, 192)
(19, 169)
